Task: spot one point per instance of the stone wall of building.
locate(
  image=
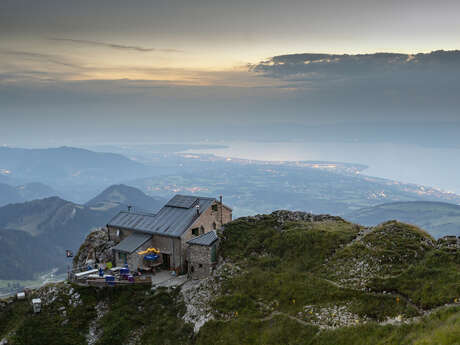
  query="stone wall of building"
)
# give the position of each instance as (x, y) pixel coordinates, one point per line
(226, 214)
(199, 261)
(208, 221)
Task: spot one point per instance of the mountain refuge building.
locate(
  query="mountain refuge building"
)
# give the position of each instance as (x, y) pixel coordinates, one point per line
(183, 234)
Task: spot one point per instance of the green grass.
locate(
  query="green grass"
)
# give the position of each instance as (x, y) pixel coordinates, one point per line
(12, 316)
(286, 265)
(302, 244)
(292, 291)
(277, 331)
(441, 328)
(431, 282)
(387, 251)
(129, 309)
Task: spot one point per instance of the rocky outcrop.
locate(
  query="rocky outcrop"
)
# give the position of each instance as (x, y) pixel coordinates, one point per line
(449, 243)
(330, 317)
(199, 294)
(95, 249)
(285, 216)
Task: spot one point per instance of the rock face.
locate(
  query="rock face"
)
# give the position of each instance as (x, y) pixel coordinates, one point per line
(199, 294)
(94, 332)
(331, 317)
(283, 216)
(95, 249)
(449, 242)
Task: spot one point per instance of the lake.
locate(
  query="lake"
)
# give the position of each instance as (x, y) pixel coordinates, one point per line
(435, 167)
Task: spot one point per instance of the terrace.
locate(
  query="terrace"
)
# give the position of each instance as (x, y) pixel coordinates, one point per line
(121, 276)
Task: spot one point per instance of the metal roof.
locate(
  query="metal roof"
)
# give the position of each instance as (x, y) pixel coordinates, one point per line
(172, 220)
(182, 201)
(206, 239)
(131, 220)
(132, 242)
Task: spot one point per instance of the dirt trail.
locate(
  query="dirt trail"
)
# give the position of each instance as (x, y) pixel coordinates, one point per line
(276, 313)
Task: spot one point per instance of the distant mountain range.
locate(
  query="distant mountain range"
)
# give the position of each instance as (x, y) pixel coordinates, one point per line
(34, 235)
(74, 172)
(25, 192)
(438, 218)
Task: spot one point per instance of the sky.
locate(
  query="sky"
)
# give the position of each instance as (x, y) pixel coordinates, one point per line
(75, 71)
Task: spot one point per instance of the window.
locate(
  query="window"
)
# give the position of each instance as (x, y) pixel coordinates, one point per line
(213, 254)
(214, 225)
(195, 231)
(201, 229)
(123, 257)
(200, 265)
(214, 207)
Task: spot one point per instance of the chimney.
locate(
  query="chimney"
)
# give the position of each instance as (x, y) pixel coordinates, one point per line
(221, 211)
(197, 209)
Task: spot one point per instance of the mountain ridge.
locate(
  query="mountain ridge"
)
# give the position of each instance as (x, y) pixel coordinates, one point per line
(55, 225)
(439, 218)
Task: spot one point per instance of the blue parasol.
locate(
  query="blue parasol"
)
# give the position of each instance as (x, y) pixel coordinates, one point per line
(151, 257)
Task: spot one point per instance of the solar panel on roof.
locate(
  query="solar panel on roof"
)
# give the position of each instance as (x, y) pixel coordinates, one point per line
(182, 201)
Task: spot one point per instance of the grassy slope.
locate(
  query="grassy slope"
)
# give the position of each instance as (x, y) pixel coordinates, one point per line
(442, 328)
(285, 268)
(282, 269)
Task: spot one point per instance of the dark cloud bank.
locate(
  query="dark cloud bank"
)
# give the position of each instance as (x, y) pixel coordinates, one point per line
(314, 67)
(383, 85)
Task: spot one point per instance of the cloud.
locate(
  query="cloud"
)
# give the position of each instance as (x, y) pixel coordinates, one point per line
(374, 85)
(320, 67)
(114, 45)
(55, 59)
